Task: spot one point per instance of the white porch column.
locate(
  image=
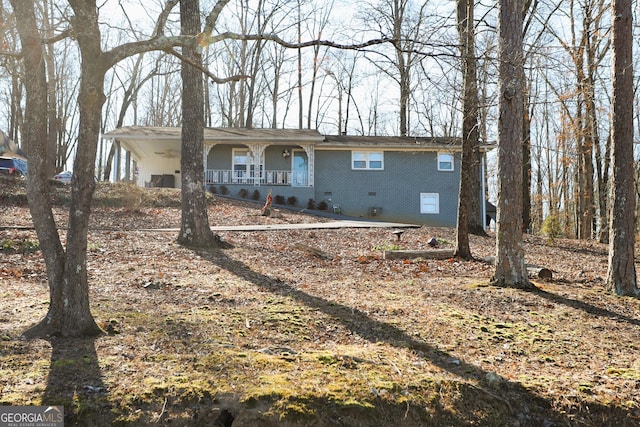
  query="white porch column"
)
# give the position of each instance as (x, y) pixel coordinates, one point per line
(258, 154)
(205, 154)
(309, 149)
(127, 167)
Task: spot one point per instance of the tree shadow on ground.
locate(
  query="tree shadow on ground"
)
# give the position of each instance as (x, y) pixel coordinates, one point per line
(75, 382)
(586, 307)
(522, 406)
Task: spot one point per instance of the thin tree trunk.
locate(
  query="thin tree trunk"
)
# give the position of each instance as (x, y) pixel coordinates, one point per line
(602, 170)
(469, 127)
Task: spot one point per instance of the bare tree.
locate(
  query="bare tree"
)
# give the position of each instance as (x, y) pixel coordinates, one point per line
(130, 95)
(404, 25)
(621, 275)
(69, 312)
(510, 267)
(277, 58)
(321, 21)
(158, 97)
(587, 48)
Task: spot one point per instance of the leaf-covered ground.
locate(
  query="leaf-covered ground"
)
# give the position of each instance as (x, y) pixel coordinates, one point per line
(267, 333)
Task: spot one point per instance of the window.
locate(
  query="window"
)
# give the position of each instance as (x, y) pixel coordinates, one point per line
(367, 160)
(243, 165)
(429, 203)
(445, 162)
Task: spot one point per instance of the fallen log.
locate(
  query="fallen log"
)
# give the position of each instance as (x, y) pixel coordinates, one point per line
(412, 254)
(534, 271)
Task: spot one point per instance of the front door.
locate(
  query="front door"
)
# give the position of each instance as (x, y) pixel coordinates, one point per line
(300, 169)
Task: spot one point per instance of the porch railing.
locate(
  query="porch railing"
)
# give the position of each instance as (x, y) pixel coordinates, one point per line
(269, 177)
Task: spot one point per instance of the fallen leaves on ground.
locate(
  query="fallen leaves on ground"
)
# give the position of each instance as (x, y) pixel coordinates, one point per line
(272, 333)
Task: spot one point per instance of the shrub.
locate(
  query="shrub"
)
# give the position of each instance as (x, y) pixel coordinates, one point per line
(25, 245)
(127, 195)
(244, 193)
(224, 190)
(292, 201)
(278, 200)
(323, 206)
(551, 227)
(311, 204)
(255, 195)
(213, 189)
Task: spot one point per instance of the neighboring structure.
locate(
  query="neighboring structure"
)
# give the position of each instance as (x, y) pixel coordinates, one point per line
(402, 179)
(13, 161)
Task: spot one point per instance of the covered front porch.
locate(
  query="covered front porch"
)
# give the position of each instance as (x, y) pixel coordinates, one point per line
(233, 157)
(259, 165)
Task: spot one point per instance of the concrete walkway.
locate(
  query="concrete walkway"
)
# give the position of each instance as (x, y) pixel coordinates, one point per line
(315, 226)
(307, 226)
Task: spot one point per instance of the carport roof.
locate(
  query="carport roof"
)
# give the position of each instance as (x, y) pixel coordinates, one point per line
(129, 133)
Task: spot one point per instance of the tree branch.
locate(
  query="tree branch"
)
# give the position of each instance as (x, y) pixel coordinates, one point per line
(164, 15)
(206, 72)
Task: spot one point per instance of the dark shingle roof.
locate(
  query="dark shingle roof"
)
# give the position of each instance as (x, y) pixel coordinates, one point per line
(390, 141)
(286, 136)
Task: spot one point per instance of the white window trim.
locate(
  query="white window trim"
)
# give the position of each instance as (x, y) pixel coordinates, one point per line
(436, 196)
(452, 161)
(234, 155)
(367, 160)
(251, 162)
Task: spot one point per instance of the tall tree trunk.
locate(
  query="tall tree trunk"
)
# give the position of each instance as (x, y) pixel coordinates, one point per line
(510, 267)
(69, 313)
(526, 134)
(475, 218)
(299, 26)
(526, 165)
(404, 66)
(312, 89)
(621, 275)
(195, 229)
(591, 133)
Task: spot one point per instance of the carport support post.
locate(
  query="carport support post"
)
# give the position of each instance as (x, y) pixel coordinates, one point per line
(127, 165)
(116, 162)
